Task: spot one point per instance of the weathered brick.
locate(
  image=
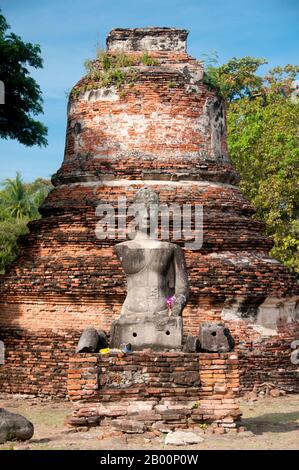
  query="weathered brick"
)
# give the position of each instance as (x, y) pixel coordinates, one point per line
(161, 130)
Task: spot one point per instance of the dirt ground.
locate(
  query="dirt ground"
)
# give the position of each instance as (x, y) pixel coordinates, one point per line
(271, 423)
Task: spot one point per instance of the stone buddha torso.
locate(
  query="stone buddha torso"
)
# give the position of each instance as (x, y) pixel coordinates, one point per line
(151, 276)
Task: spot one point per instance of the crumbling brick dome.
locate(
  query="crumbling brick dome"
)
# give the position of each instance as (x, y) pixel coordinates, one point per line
(143, 115)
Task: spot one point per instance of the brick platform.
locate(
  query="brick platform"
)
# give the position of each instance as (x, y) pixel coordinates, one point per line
(147, 390)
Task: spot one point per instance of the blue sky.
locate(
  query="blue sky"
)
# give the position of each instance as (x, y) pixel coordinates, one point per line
(69, 32)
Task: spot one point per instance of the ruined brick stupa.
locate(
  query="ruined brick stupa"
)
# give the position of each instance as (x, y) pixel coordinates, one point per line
(148, 120)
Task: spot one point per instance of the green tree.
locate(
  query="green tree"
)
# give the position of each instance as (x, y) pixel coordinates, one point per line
(23, 98)
(10, 230)
(263, 141)
(37, 192)
(235, 79)
(19, 203)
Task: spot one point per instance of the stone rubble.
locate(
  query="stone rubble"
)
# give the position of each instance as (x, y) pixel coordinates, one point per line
(181, 438)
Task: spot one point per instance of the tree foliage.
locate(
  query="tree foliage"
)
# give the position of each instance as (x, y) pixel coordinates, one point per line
(23, 98)
(19, 203)
(10, 230)
(263, 140)
(235, 79)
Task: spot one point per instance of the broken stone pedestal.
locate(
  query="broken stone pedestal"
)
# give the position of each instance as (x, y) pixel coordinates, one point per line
(158, 333)
(215, 337)
(91, 340)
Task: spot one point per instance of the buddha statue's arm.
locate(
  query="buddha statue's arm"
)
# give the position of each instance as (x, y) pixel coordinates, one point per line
(181, 289)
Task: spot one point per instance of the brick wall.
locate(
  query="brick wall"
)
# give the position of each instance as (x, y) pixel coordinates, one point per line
(269, 361)
(36, 364)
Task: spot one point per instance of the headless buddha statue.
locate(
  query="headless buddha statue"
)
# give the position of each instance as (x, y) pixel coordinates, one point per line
(157, 285)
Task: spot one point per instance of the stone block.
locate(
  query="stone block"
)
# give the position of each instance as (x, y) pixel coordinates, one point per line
(192, 344)
(148, 333)
(215, 337)
(141, 406)
(91, 340)
(186, 378)
(14, 427)
(182, 438)
(129, 426)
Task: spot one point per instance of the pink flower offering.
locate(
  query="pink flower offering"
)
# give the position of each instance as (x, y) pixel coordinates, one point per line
(170, 301)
